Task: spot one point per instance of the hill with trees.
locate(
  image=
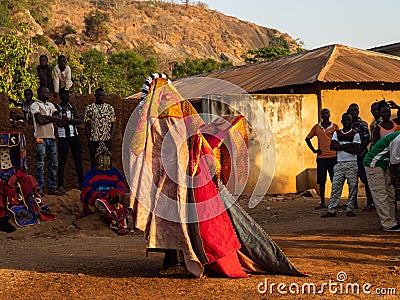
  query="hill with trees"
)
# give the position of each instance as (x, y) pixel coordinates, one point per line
(118, 43)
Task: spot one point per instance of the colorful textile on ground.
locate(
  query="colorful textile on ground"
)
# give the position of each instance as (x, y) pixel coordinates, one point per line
(12, 154)
(105, 190)
(187, 213)
(21, 199)
(97, 185)
(115, 212)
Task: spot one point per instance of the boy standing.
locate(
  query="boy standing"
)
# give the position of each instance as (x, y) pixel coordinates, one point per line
(62, 75)
(326, 158)
(44, 73)
(346, 142)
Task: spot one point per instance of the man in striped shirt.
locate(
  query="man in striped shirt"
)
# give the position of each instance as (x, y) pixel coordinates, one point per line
(68, 138)
(386, 151)
(346, 143)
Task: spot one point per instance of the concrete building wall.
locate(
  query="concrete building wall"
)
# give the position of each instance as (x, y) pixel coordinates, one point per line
(290, 118)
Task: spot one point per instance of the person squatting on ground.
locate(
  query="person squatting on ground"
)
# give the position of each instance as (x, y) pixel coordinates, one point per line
(44, 115)
(326, 158)
(104, 189)
(361, 127)
(382, 180)
(68, 138)
(99, 124)
(346, 142)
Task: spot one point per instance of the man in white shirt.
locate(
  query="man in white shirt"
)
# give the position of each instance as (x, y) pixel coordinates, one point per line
(346, 142)
(44, 114)
(62, 75)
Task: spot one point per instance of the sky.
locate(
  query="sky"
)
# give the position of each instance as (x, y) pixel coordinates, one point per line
(360, 24)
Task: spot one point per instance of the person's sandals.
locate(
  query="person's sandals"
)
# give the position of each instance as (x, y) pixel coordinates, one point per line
(328, 215)
(350, 214)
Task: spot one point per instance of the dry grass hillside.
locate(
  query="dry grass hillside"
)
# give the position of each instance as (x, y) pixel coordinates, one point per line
(172, 31)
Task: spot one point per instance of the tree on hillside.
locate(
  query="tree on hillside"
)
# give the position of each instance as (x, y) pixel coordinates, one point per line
(88, 69)
(15, 75)
(196, 66)
(95, 25)
(126, 72)
(265, 54)
(4, 14)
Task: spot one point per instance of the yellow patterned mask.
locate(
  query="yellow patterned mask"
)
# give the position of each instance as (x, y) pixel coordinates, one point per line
(103, 161)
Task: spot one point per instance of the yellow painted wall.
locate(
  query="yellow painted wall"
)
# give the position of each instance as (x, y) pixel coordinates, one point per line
(291, 118)
(338, 101)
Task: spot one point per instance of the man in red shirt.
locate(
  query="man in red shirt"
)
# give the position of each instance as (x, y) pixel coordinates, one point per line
(326, 158)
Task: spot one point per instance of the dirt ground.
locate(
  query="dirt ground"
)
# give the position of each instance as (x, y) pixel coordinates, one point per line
(57, 260)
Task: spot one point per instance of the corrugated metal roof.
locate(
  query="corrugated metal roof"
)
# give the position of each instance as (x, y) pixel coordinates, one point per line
(333, 63)
(386, 48)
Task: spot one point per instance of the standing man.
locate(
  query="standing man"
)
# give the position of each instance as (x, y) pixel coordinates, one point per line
(376, 162)
(44, 73)
(370, 207)
(377, 119)
(346, 142)
(99, 124)
(68, 138)
(326, 158)
(62, 75)
(44, 115)
(361, 127)
(26, 106)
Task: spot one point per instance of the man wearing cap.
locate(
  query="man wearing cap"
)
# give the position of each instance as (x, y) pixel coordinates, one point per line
(68, 138)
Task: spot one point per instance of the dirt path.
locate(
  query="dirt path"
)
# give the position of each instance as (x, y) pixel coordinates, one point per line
(56, 260)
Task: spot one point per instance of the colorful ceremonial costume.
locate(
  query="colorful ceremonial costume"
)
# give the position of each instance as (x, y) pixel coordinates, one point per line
(194, 214)
(18, 190)
(104, 190)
